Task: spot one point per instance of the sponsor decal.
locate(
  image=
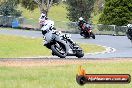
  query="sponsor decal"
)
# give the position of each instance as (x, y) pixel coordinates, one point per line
(83, 78)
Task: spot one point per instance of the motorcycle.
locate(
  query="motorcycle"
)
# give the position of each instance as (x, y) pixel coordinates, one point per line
(61, 44)
(129, 33)
(86, 31)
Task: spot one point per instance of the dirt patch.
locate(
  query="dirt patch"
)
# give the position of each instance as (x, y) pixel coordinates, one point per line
(56, 62)
(43, 62)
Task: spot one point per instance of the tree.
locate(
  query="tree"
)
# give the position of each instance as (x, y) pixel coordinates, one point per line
(79, 8)
(7, 8)
(44, 5)
(117, 12)
(98, 6)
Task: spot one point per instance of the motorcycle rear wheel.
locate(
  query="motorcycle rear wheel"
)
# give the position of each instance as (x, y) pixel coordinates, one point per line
(59, 49)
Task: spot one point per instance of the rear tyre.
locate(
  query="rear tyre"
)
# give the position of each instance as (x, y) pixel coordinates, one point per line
(59, 49)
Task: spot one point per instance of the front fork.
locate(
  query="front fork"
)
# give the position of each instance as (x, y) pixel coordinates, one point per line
(71, 41)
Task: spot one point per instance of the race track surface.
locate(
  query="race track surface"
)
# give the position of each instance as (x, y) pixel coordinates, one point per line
(121, 45)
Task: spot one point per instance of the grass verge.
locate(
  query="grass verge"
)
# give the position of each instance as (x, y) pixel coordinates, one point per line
(61, 76)
(14, 46)
(56, 13)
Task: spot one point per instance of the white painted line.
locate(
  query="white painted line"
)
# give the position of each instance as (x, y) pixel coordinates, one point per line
(107, 50)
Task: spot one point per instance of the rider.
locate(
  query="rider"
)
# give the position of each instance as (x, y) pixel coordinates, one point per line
(46, 25)
(129, 31)
(81, 22)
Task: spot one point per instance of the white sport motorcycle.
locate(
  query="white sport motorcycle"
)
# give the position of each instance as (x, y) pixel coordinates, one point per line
(60, 44)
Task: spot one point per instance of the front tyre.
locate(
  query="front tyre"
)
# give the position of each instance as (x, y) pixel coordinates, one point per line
(86, 36)
(92, 35)
(79, 53)
(59, 49)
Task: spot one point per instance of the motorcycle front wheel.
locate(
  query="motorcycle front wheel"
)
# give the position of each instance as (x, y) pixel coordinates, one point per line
(86, 35)
(79, 53)
(92, 35)
(59, 49)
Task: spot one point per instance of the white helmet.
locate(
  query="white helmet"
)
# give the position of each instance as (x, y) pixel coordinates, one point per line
(80, 18)
(129, 25)
(43, 15)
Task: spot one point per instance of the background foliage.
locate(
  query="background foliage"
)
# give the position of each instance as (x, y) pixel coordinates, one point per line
(79, 8)
(117, 12)
(8, 8)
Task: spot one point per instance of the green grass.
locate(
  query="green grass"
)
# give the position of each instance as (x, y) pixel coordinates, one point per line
(14, 46)
(56, 13)
(59, 13)
(61, 76)
(95, 18)
(91, 48)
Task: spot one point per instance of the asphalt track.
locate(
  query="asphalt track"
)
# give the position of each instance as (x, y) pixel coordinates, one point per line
(119, 46)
